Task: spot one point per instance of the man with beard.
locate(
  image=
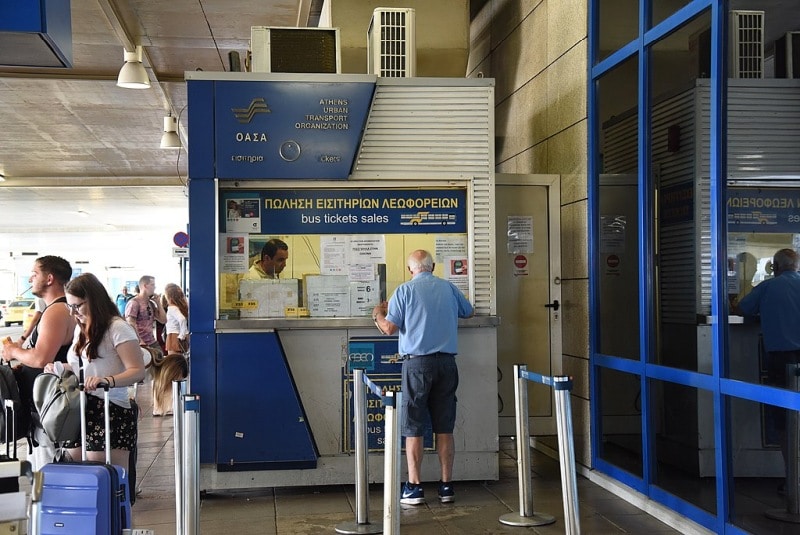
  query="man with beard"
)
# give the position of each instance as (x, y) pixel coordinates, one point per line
(50, 340)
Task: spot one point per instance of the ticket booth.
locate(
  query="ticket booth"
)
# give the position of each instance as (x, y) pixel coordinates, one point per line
(352, 172)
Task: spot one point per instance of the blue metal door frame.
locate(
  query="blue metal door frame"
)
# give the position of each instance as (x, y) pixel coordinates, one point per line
(642, 368)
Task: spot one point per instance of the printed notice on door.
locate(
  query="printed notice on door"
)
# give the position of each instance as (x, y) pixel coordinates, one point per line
(520, 234)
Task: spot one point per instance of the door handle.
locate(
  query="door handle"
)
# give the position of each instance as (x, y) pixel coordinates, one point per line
(554, 305)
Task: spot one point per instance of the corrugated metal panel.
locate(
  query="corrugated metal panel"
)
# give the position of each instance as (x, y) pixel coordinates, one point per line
(703, 196)
(430, 128)
(677, 270)
(763, 128)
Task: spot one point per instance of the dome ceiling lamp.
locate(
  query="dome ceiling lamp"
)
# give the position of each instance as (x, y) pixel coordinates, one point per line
(133, 75)
(170, 139)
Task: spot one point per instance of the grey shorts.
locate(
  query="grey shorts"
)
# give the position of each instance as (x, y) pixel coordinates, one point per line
(429, 394)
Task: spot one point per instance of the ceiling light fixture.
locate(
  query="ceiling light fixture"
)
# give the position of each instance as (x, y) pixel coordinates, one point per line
(170, 139)
(132, 75)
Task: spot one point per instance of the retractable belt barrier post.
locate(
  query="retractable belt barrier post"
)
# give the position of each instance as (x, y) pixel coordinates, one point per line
(191, 462)
(391, 454)
(792, 511)
(526, 516)
(178, 391)
(361, 524)
(561, 386)
(391, 463)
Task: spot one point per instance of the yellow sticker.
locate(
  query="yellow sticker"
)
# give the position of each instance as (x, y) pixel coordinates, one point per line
(245, 304)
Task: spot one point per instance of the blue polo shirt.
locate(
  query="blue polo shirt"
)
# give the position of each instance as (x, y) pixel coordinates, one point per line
(426, 311)
(777, 301)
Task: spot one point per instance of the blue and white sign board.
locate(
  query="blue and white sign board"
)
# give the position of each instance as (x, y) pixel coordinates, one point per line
(288, 130)
(346, 211)
(763, 210)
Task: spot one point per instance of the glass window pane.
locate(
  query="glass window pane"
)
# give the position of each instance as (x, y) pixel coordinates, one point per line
(682, 216)
(762, 192)
(684, 443)
(661, 9)
(619, 24)
(621, 420)
(618, 308)
(759, 483)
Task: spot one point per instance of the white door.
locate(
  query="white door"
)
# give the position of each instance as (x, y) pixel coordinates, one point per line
(528, 288)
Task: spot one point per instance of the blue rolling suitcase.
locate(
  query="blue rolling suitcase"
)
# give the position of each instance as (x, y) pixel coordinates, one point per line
(85, 497)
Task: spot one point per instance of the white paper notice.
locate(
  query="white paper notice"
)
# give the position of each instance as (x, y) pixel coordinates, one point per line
(450, 246)
(520, 234)
(612, 234)
(367, 249)
(233, 253)
(362, 272)
(333, 255)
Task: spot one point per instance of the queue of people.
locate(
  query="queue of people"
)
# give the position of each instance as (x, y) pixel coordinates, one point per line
(80, 327)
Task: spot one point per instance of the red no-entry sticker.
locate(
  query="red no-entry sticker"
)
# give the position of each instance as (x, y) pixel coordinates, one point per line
(520, 261)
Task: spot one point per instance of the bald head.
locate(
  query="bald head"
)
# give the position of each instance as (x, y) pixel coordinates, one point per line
(420, 261)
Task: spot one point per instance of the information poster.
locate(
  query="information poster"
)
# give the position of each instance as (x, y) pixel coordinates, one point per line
(456, 270)
(233, 253)
(243, 215)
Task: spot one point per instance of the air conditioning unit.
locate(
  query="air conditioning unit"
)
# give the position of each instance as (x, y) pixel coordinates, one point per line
(747, 44)
(304, 50)
(787, 56)
(391, 43)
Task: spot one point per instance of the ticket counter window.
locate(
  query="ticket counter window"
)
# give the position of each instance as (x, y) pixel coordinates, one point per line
(352, 257)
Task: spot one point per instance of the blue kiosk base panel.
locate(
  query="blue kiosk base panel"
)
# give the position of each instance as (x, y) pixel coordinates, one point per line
(261, 423)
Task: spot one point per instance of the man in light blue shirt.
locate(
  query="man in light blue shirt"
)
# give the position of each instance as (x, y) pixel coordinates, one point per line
(425, 311)
(777, 301)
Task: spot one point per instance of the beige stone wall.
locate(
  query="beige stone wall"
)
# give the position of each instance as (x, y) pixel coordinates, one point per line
(536, 50)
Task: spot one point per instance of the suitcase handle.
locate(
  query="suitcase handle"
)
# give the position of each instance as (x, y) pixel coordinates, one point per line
(107, 417)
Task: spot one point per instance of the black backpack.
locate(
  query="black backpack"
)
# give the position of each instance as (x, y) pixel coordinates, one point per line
(9, 391)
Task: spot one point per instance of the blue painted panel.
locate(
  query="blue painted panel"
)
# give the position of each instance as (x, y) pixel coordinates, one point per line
(200, 95)
(202, 255)
(289, 129)
(50, 19)
(203, 370)
(261, 424)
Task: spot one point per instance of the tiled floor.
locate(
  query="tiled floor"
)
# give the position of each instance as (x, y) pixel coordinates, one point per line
(312, 510)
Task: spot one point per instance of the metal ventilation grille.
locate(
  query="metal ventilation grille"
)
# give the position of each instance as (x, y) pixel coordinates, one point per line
(390, 43)
(295, 50)
(747, 44)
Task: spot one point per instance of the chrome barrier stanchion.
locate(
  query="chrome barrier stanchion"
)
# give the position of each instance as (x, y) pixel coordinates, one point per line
(178, 391)
(562, 386)
(191, 463)
(792, 511)
(361, 524)
(526, 516)
(391, 464)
